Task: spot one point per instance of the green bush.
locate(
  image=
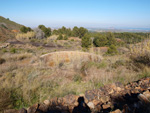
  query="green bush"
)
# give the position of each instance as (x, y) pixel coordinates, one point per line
(112, 50)
(4, 50)
(24, 29)
(100, 41)
(65, 37)
(60, 37)
(86, 41)
(13, 50)
(47, 31)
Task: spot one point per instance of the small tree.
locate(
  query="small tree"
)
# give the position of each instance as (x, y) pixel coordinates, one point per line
(47, 31)
(65, 37)
(75, 31)
(60, 37)
(111, 39)
(112, 50)
(86, 41)
(100, 41)
(82, 32)
(24, 29)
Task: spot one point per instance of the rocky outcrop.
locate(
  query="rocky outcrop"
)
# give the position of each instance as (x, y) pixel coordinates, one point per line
(115, 98)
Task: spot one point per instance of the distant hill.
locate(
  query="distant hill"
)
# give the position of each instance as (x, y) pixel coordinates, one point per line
(8, 24)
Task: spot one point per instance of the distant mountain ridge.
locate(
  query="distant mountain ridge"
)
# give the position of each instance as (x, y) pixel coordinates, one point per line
(92, 29)
(8, 24)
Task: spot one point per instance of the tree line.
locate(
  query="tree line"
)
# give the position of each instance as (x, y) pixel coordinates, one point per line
(99, 39)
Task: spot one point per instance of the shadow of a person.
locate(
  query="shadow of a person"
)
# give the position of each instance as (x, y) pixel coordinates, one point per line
(82, 107)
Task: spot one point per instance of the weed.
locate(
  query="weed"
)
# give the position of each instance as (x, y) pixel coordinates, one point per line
(13, 50)
(77, 78)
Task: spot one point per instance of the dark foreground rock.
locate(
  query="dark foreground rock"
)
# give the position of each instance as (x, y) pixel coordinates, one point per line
(115, 98)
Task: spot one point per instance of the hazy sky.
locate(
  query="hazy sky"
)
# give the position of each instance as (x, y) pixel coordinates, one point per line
(87, 13)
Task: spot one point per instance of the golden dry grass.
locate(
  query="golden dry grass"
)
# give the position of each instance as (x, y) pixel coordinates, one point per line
(72, 57)
(29, 80)
(25, 36)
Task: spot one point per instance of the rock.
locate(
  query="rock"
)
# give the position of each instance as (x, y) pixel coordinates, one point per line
(47, 102)
(69, 99)
(33, 108)
(143, 98)
(91, 105)
(54, 101)
(111, 91)
(106, 106)
(90, 95)
(126, 109)
(96, 102)
(105, 99)
(98, 107)
(43, 108)
(60, 101)
(118, 89)
(116, 111)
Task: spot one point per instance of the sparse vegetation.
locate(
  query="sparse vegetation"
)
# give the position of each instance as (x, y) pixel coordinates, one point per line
(22, 66)
(24, 29)
(112, 50)
(25, 36)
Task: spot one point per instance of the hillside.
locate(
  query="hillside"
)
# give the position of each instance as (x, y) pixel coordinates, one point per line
(8, 29)
(8, 24)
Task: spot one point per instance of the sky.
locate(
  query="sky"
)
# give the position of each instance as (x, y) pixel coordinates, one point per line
(86, 13)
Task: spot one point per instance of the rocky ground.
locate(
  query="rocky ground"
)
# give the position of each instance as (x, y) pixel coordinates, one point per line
(115, 98)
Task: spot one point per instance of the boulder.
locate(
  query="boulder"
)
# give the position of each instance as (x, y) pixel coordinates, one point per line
(116, 111)
(91, 105)
(47, 102)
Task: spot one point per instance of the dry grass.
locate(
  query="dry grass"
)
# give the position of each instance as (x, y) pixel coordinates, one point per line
(69, 57)
(27, 80)
(25, 36)
(140, 53)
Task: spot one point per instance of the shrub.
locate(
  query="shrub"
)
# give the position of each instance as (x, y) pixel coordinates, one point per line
(2, 60)
(100, 41)
(140, 54)
(60, 37)
(112, 50)
(47, 31)
(111, 39)
(13, 50)
(65, 37)
(24, 29)
(4, 50)
(86, 41)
